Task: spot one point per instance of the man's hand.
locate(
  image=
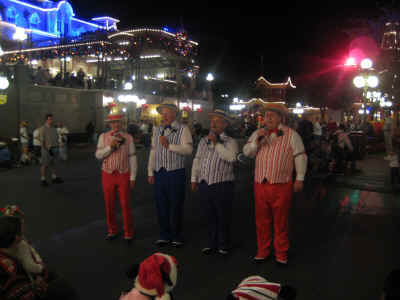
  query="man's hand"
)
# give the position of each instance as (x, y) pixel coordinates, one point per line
(150, 179)
(132, 184)
(212, 137)
(164, 141)
(261, 133)
(114, 144)
(298, 186)
(194, 186)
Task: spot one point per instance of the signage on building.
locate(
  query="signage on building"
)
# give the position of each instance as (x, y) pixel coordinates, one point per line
(3, 99)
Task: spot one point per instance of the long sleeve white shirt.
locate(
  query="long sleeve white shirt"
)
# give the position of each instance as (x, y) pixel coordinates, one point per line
(300, 157)
(103, 151)
(184, 148)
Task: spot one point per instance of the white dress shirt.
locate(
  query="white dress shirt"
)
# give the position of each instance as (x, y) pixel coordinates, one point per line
(300, 157)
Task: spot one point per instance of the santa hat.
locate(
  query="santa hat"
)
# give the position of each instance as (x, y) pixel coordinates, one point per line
(256, 288)
(157, 276)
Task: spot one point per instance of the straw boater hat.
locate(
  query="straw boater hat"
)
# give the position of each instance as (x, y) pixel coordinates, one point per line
(116, 113)
(220, 113)
(276, 107)
(167, 105)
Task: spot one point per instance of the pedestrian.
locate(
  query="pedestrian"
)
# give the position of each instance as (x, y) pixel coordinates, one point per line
(90, 132)
(343, 150)
(212, 175)
(23, 136)
(117, 150)
(387, 133)
(62, 132)
(277, 150)
(258, 288)
(171, 143)
(393, 159)
(317, 130)
(49, 152)
(37, 143)
(154, 278)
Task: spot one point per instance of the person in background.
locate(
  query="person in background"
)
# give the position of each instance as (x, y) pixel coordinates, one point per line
(171, 143)
(36, 142)
(90, 131)
(23, 135)
(62, 132)
(393, 159)
(277, 149)
(212, 175)
(388, 133)
(317, 130)
(49, 151)
(258, 288)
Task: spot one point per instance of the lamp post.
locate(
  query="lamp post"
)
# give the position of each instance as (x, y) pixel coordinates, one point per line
(210, 79)
(365, 80)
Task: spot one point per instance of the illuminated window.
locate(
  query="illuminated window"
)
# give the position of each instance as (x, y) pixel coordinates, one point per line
(34, 20)
(11, 14)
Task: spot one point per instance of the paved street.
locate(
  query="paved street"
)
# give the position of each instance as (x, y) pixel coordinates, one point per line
(344, 239)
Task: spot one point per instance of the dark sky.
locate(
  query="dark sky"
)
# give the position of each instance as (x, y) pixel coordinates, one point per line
(288, 37)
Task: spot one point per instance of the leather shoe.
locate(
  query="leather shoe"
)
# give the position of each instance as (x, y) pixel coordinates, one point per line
(161, 242)
(111, 237)
(260, 260)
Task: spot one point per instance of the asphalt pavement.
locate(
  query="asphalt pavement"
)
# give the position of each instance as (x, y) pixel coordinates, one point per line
(344, 238)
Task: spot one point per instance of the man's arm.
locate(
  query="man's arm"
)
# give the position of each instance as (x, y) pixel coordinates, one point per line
(228, 151)
(132, 159)
(186, 145)
(250, 149)
(152, 156)
(300, 156)
(102, 151)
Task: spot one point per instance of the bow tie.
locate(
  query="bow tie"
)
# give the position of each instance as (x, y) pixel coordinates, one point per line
(271, 131)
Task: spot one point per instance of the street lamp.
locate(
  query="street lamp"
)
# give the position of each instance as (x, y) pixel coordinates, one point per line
(210, 79)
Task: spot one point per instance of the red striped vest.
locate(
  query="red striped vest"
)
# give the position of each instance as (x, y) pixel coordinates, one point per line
(118, 160)
(274, 161)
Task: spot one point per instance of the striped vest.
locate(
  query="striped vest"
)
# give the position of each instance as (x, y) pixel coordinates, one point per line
(212, 168)
(163, 157)
(117, 160)
(274, 161)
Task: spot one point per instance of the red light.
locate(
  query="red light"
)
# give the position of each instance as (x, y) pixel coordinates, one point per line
(351, 61)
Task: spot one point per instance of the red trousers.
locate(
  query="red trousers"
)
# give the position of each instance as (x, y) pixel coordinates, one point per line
(111, 184)
(272, 205)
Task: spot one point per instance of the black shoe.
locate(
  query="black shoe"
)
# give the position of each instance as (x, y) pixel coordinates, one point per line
(177, 244)
(223, 252)
(281, 263)
(128, 241)
(161, 242)
(57, 180)
(111, 237)
(260, 260)
(44, 183)
(208, 250)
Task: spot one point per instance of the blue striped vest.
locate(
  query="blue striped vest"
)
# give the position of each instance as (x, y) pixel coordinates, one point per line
(212, 168)
(163, 157)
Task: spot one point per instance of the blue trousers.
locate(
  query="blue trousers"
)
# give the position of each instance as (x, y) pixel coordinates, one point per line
(169, 195)
(217, 202)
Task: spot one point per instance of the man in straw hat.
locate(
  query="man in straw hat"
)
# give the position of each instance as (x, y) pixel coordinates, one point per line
(171, 142)
(118, 152)
(277, 149)
(212, 174)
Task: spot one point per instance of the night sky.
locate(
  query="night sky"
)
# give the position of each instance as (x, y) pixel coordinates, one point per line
(286, 39)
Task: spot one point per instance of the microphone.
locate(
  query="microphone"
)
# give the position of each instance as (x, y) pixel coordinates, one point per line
(262, 136)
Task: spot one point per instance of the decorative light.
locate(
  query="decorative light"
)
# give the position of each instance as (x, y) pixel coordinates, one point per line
(366, 63)
(133, 77)
(373, 81)
(237, 106)
(160, 75)
(1, 51)
(351, 61)
(359, 81)
(210, 77)
(182, 105)
(4, 83)
(34, 62)
(190, 74)
(128, 85)
(124, 109)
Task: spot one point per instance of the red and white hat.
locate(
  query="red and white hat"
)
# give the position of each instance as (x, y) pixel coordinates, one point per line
(256, 288)
(157, 276)
(116, 112)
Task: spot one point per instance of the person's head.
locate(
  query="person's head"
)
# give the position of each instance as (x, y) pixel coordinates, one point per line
(10, 231)
(391, 289)
(156, 276)
(116, 125)
(272, 119)
(218, 121)
(24, 124)
(49, 119)
(258, 288)
(168, 115)
(59, 124)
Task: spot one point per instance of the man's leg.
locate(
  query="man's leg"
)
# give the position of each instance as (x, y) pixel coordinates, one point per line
(162, 203)
(210, 213)
(280, 203)
(109, 189)
(125, 200)
(223, 202)
(263, 220)
(176, 197)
